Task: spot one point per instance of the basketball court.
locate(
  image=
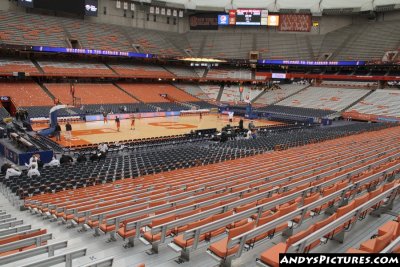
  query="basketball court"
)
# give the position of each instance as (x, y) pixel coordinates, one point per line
(96, 132)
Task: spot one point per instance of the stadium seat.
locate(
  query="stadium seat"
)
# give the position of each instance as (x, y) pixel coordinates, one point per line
(219, 248)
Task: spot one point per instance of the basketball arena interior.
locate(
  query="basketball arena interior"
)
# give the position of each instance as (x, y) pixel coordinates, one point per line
(198, 132)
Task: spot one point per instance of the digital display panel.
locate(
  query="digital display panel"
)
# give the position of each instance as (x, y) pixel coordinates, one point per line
(89, 52)
(248, 17)
(310, 63)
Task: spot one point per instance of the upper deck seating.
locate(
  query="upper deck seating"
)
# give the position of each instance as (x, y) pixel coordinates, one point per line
(31, 29)
(8, 66)
(98, 35)
(75, 68)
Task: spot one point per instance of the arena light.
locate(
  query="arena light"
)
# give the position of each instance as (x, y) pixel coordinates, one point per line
(200, 59)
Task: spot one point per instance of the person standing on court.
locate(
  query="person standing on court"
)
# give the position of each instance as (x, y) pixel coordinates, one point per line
(133, 123)
(57, 132)
(117, 122)
(105, 120)
(68, 129)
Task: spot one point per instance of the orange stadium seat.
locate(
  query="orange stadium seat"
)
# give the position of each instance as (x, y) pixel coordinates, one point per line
(297, 187)
(220, 247)
(151, 93)
(377, 244)
(25, 94)
(90, 93)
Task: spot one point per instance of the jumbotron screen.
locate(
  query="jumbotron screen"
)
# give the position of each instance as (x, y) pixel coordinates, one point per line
(248, 17)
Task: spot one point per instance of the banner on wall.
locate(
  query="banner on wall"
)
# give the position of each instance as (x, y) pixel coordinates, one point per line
(204, 21)
(295, 22)
(89, 51)
(310, 63)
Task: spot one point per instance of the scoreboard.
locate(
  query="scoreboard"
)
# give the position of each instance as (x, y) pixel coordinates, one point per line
(248, 17)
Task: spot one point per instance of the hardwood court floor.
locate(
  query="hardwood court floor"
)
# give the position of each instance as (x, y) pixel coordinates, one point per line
(98, 131)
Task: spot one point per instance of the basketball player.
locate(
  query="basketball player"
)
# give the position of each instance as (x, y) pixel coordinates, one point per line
(118, 123)
(201, 115)
(105, 117)
(133, 123)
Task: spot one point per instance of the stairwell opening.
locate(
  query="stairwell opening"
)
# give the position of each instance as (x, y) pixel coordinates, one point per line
(75, 43)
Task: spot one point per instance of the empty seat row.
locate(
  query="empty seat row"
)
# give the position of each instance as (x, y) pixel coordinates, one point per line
(168, 201)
